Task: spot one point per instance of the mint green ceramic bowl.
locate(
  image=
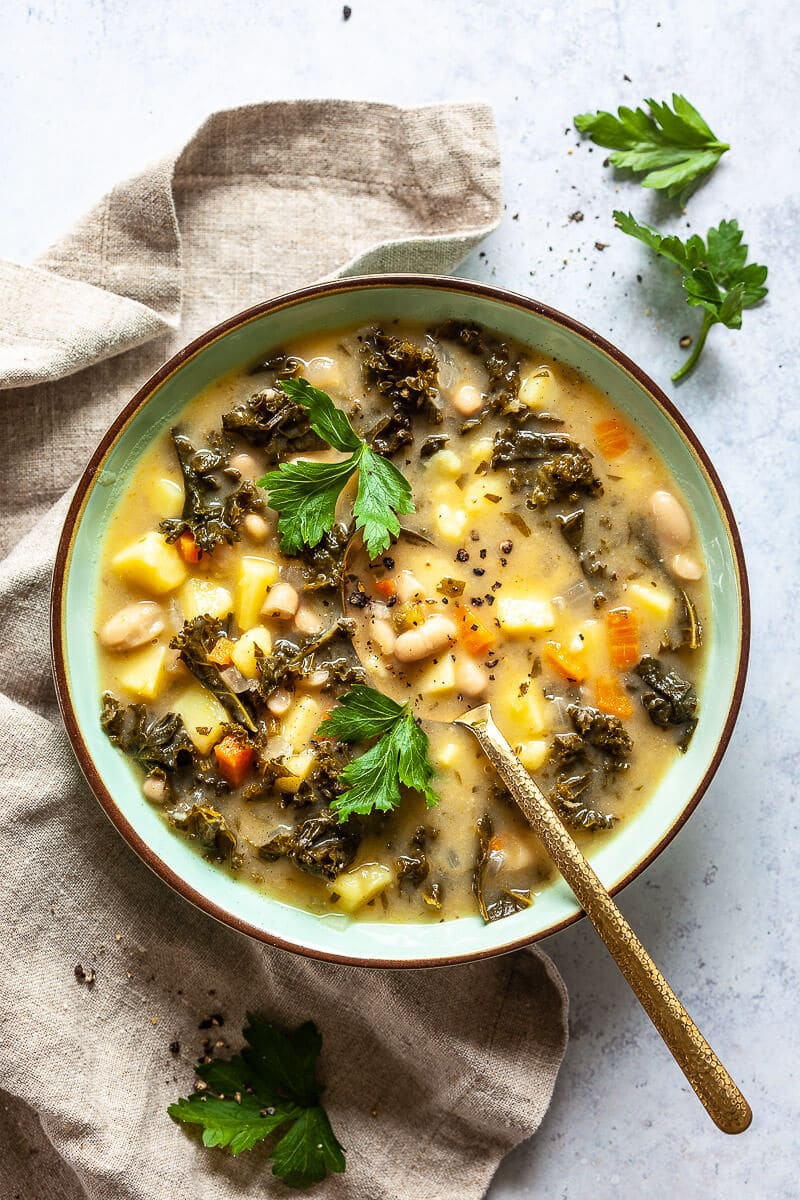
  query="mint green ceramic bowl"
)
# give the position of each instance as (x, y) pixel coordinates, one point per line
(242, 341)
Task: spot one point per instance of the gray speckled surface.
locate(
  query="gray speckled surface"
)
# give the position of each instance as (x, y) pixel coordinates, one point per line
(92, 90)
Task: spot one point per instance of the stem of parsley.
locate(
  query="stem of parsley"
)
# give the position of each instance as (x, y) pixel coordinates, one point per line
(688, 366)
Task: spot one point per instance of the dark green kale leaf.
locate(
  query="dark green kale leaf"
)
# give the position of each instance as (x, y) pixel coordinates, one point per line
(509, 900)
(601, 730)
(563, 467)
(567, 797)
(671, 700)
(272, 1084)
(502, 370)
(213, 507)
(571, 527)
(274, 420)
(296, 658)
(413, 868)
(324, 563)
(689, 631)
(407, 375)
(320, 845)
(157, 743)
(566, 749)
(195, 642)
(206, 825)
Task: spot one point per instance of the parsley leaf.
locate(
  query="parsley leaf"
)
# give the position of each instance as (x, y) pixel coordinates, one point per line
(400, 755)
(272, 1083)
(674, 147)
(305, 494)
(716, 275)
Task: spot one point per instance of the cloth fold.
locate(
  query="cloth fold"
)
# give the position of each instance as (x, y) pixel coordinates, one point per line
(431, 1075)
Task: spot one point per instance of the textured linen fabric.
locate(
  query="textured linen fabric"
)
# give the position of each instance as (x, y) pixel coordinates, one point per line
(431, 1075)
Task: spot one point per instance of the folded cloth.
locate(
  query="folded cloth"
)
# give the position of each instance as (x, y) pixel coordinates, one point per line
(431, 1075)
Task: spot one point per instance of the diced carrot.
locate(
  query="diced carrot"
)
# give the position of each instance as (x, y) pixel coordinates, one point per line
(234, 759)
(475, 637)
(613, 438)
(188, 548)
(622, 628)
(610, 697)
(222, 653)
(568, 663)
(386, 588)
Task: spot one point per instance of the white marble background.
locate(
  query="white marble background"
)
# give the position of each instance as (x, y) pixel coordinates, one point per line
(92, 90)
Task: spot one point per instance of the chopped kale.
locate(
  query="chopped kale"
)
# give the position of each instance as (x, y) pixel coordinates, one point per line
(671, 700)
(501, 365)
(154, 742)
(509, 900)
(571, 526)
(319, 845)
(213, 508)
(293, 659)
(207, 826)
(413, 868)
(407, 375)
(195, 642)
(567, 799)
(433, 444)
(563, 469)
(324, 562)
(566, 749)
(689, 631)
(273, 420)
(321, 786)
(602, 730)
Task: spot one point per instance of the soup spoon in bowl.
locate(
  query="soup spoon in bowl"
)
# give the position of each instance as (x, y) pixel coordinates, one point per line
(715, 1088)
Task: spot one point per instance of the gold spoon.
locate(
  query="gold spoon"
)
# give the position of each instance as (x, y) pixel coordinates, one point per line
(717, 1091)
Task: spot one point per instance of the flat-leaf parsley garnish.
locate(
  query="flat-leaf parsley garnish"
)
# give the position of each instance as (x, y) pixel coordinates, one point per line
(305, 494)
(271, 1085)
(673, 147)
(715, 274)
(399, 755)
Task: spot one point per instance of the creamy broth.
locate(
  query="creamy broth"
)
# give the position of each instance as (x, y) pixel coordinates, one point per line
(543, 609)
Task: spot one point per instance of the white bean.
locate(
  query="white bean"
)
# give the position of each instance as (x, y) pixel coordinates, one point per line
(279, 702)
(671, 520)
(408, 587)
(306, 620)
(471, 679)
(282, 601)
(467, 400)
(154, 789)
(316, 680)
(432, 636)
(383, 635)
(686, 567)
(132, 626)
(256, 528)
(245, 464)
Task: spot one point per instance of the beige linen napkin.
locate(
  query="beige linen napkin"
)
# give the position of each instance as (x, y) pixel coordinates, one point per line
(431, 1075)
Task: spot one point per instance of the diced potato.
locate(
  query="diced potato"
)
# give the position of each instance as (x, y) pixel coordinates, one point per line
(142, 673)
(480, 451)
(538, 389)
(203, 716)
(591, 641)
(357, 888)
(151, 564)
(323, 372)
(439, 678)
(652, 601)
(301, 722)
(300, 767)
(532, 754)
(523, 616)
(199, 597)
(445, 754)
(451, 522)
(521, 717)
(474, 499)
(445, 464)
(256, 577)
(243, 654)
(166, 497)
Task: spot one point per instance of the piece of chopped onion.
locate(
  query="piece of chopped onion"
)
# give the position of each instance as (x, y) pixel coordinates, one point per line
(579, 596)
(236, 681)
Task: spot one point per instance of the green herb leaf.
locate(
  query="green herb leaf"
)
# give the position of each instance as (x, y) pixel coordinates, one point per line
(400, 755)
(715, 274)
(272, 1083)
(306, 493)
(674, 148)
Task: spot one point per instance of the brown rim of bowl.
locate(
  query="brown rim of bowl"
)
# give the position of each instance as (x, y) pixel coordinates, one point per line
(288, 300)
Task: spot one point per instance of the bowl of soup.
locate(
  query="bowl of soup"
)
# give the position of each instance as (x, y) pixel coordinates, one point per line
(564, 551)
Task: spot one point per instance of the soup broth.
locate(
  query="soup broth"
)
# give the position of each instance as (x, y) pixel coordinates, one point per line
(550, 567)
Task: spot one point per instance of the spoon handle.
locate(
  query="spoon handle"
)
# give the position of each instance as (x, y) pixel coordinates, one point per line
(719, 1094)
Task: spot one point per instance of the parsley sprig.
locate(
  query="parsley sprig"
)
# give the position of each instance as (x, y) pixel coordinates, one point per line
(400, 754)
(715, 274)
(305, 494)
(673, 147)
(272, 1084)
